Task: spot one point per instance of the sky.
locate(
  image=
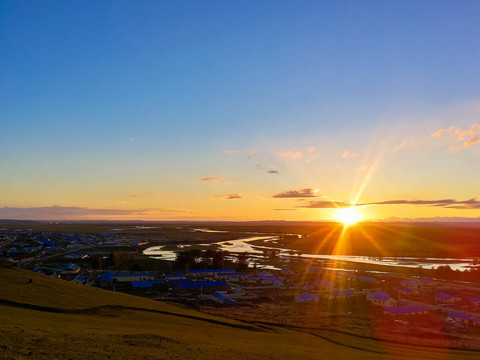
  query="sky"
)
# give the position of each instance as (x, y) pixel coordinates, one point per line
(239, 110)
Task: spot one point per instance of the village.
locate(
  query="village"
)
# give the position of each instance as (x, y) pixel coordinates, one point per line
(403, 308)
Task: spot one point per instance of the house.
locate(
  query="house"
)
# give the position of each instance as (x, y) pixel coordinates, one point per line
(366, 279)
(80, 279)
(381, 298)
(258, 280)
(447, 298)
(427, 283)
(145, 284)
(466, 319)
(211, 273)
(341, 294)
(475, 301)
(176, 275)
(129, 277)
(69, 269)
(201, 287)
(406, 291)
(410, 284)
(222, 298)
(405, 310)
(319, 284)
(306, 298)
(286, 271)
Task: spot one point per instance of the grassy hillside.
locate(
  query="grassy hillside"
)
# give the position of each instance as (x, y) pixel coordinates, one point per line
(54, 319)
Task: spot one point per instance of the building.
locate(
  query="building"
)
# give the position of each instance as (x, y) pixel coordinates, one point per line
(381, 298)
(322, 284)
(410, 284)
(222, 298)
(208, 273)
(447, 298)
(69, 269)
(428, 283)
(405, 310)
(306, 298)
(341, 294)
(146, 284)
(401, 290)
(129, 277)
(466, 319)
(80, 279)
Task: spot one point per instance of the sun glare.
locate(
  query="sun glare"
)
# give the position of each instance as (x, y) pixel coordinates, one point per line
(348, 216)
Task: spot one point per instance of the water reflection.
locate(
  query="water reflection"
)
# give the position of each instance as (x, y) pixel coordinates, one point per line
(243, 245)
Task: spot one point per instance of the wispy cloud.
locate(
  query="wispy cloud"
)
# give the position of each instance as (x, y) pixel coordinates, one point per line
(289, 154)
(459, 138)
(212, 179)
(230, 196)
(327, 204)
(65, 212)
(229, 152)
(302, 193)
(143, 195)
(445, 203)
(251, 153)
(348, 154)
(272, 171)
(400, 146)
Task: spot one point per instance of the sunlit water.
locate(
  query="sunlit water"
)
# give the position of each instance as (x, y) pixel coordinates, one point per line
(243, 245)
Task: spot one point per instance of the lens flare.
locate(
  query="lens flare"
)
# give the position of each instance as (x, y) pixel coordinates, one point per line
(348, 216)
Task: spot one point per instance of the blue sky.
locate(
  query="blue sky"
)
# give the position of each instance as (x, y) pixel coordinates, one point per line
(166, 89)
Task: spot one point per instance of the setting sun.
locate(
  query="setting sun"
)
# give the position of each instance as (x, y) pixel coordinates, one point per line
(348, 216)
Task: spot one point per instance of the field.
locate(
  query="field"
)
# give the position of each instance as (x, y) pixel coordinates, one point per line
(54, 319)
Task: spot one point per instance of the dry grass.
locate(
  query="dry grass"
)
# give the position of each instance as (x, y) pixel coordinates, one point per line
(118, 332)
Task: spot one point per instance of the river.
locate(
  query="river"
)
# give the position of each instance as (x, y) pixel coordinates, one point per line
(243, 245)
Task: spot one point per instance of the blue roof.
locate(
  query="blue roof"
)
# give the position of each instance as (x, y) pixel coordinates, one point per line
(444, 296)
(380, 295)
(366, 278)
(223, 297)
(409, 282)
(404, 289)
(323, 283)
(46, 241)
(307, 296)
(175, 281)
(145, 284)
(203, 284)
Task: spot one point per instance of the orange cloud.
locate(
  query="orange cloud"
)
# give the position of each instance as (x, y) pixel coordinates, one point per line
(302, 193)
(347, 154)
(212, 179)
(289, 154)
(230, 196)
(229, 152)
(399, 147)
(460, 139)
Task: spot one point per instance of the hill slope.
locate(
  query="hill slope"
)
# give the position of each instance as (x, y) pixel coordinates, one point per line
(54, 319)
